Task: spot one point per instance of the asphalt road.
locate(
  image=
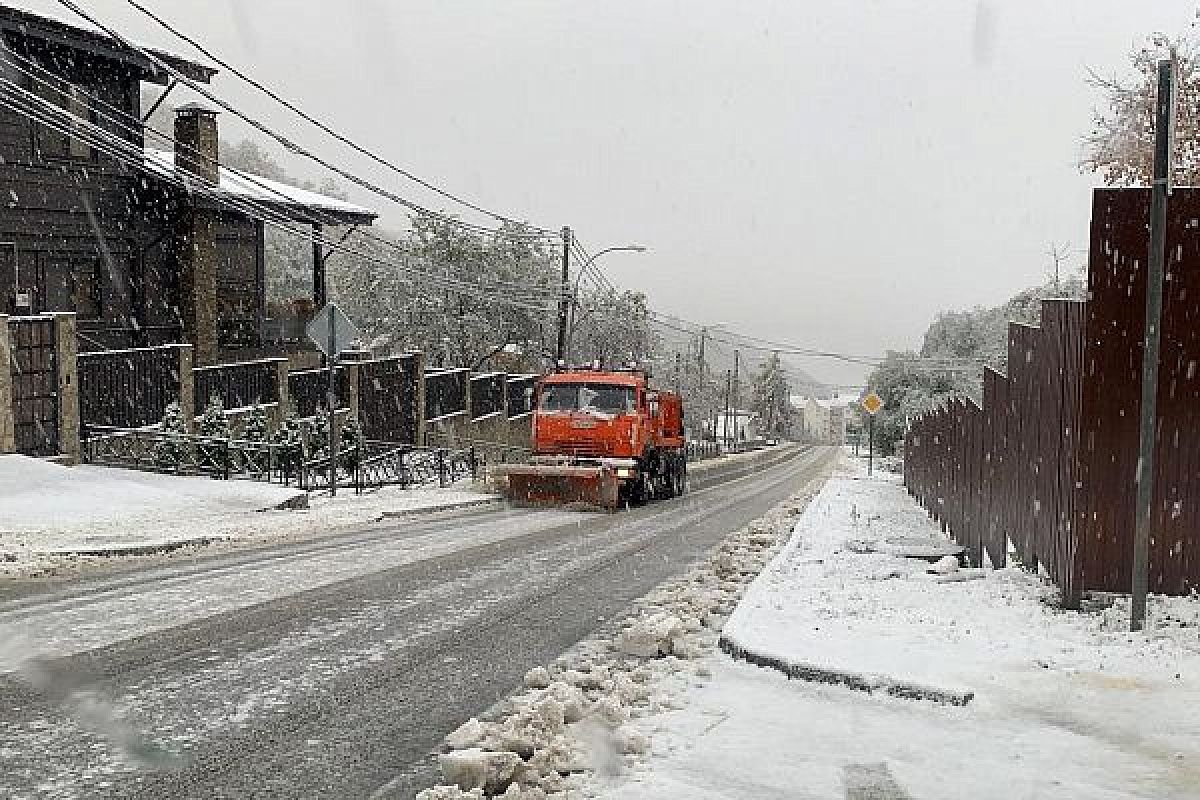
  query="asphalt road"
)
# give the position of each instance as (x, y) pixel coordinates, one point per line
(332, 668)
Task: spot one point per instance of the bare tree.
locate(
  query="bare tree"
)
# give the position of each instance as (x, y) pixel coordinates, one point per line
(1120, 146)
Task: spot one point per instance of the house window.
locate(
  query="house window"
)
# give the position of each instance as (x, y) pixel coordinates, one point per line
(55, 144)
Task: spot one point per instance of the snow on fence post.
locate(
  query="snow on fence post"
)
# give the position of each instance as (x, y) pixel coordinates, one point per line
(66, 347)
(8, 430)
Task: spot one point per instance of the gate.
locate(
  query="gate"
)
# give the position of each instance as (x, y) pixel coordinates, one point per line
(34, 385)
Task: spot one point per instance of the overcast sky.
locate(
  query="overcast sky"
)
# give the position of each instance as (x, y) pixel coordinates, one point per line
(829, 174)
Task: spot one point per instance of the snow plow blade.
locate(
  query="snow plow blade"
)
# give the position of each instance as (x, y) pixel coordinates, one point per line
(559, 486)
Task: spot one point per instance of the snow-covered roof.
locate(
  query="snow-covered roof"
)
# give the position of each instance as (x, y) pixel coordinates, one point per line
(300, 203)
(79, 33)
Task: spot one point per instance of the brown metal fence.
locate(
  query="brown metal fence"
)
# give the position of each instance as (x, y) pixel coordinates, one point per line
(127, 388)
(241, 385)
(387, 399)
(1003, 472)
(1047, 464)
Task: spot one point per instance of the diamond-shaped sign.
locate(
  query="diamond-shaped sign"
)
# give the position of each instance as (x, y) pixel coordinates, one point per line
(872, 403)
(332, 331)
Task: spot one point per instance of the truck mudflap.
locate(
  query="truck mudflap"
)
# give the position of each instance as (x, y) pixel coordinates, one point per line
(543, 486)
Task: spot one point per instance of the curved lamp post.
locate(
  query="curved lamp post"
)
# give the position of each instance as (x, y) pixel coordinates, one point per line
(629, 248)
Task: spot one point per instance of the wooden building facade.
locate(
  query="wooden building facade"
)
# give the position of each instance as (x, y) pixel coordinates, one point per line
(126, 244)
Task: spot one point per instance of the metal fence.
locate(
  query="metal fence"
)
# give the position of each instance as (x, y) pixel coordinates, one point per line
(445, 393)
(520, 394)
(307, 389)
(487, 394)
(249, 383)
(1004, 471)
(1050, 460)
(387, 399)
(127, 388)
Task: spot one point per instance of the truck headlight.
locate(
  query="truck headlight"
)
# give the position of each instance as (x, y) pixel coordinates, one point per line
(624, 472)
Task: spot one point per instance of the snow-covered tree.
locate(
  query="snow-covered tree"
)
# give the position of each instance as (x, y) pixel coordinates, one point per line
(350, 444)
(771, 395)
(289, 437)
(172, 452)
(213, 422)
(1120, 146)
(258, 425)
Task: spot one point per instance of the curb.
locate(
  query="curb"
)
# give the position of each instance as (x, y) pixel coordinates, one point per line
(855, 681)
(414, 512)
(135, 549)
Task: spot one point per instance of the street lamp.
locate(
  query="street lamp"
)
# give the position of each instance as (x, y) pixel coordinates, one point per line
(628, 248)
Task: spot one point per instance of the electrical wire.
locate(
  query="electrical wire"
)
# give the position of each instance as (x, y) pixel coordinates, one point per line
(123, 121)
(286, 143)
(131, 156)
(322, 126)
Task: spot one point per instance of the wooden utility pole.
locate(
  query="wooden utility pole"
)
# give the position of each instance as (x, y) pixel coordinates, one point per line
(1164, 135)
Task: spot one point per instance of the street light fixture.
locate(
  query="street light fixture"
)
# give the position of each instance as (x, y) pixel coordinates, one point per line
(628, 248)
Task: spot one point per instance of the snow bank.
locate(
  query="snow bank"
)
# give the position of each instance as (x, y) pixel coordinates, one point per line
(588, 716)
(1066, 703)
(50, 513)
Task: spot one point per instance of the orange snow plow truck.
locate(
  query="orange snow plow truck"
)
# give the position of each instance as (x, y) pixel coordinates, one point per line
(601, 439)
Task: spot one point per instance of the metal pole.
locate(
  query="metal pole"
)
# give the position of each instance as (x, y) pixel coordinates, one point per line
(331, 402)
(871, 446)
(1163, 143)
(564, 302)
(729, 396)
(737, 398)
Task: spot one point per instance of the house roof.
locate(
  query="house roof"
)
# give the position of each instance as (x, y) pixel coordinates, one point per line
(80, 35)
(301, 205)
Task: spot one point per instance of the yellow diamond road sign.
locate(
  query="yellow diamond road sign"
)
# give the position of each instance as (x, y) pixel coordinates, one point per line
(872, 403)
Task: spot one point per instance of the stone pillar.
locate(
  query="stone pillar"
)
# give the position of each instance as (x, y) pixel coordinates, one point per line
(66, 345)
(187, 386)
(283, 368)
(419, 398)
(8, 428)
(196, 149)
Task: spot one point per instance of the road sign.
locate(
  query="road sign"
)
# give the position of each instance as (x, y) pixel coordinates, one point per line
(872, 403)
(332, 331)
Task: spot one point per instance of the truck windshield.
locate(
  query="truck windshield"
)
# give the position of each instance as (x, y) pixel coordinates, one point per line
(607, 398)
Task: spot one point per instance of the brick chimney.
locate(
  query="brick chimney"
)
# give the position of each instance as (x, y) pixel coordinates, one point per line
(196, 231)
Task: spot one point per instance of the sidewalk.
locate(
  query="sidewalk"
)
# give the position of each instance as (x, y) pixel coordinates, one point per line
(54, 517)
(1063, 704)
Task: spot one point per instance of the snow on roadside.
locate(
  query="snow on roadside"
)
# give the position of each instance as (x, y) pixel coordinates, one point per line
(1067, 704)
(589, 716)
(48, 512)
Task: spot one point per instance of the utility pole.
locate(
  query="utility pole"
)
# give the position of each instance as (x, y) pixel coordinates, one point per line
(737, 394)
(728, 397)
(1164, 134)
(564, 302)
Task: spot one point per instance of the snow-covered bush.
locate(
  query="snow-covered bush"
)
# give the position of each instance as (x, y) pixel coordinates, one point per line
(170, 453)
(258, 425)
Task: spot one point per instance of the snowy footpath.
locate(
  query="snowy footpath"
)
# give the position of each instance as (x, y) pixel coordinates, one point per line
(1018, 698)
(1062, 704)
(55, 518)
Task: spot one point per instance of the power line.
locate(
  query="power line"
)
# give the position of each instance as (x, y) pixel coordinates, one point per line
(322, 126)
(287, 143)
(130, 155)
(124, 121)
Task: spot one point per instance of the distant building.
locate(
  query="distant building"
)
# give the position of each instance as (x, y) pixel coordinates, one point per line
(738, 425)
(824, 418)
